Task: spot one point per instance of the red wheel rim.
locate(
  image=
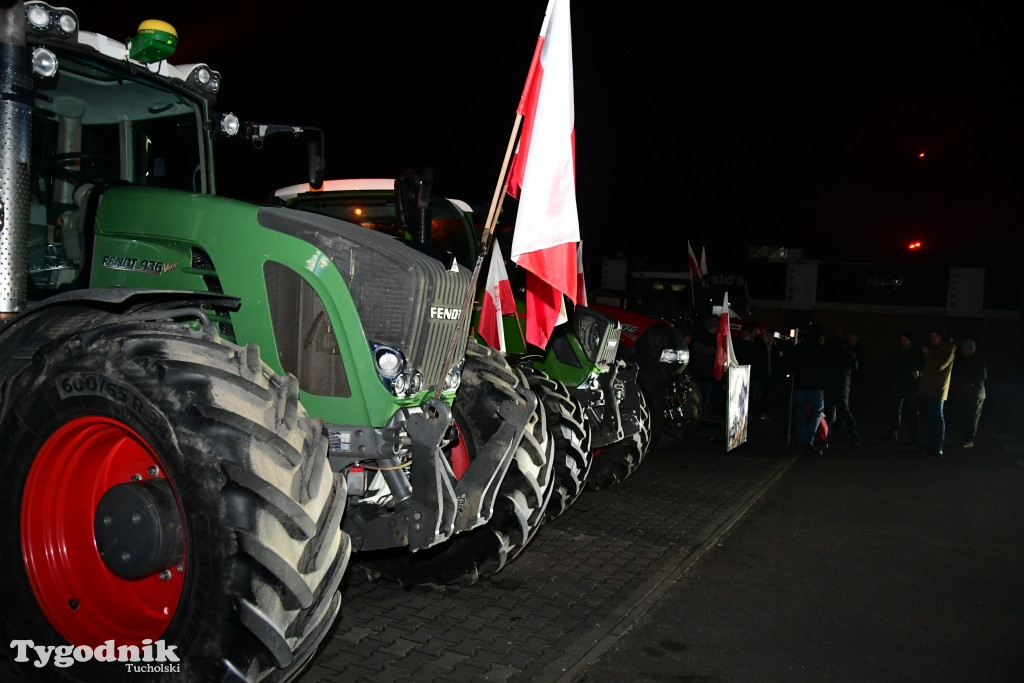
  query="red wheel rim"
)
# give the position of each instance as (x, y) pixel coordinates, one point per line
(84, 601)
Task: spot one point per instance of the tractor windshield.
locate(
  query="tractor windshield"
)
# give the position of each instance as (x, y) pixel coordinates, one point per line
(450, 228)
(93, 123)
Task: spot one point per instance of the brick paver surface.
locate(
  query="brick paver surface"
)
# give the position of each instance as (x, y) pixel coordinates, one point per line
(584, 579)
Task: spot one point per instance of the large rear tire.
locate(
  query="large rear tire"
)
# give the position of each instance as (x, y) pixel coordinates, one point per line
(523, 495)
(616, 462)
(570, 432)
(241, 562)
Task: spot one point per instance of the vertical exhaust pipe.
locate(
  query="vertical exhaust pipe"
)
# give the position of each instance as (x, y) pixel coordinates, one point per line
(15, 155)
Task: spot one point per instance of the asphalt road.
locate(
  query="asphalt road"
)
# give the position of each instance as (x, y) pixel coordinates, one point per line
(876, 564)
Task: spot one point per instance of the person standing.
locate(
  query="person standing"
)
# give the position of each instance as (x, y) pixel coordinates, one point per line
(702, 363)
(841, 363)
(750, 351)
(967, 391)
(808, 367)
(904, 412)
(933, 389)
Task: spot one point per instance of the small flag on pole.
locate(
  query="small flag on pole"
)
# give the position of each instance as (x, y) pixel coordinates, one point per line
(703, 263)
(725, 356)
(497, 301)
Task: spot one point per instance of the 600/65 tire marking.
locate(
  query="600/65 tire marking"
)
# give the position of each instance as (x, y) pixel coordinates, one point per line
(94, 384)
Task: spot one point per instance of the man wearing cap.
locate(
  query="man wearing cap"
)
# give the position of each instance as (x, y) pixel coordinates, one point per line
(933, 388)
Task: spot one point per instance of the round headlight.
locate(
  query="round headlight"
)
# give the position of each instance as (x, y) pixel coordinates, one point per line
(44, 62)
(229, 124)
(389, 363)
(416, 383)
(67, 23)
(38, 16)
(400, 385)
(452, 380)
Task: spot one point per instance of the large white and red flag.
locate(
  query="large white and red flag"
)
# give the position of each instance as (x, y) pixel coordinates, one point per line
(542, 177)
(725, 356)
(694, 265)
(497, 301)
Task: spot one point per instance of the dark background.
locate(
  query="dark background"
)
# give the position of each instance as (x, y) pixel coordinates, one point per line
(726, 124)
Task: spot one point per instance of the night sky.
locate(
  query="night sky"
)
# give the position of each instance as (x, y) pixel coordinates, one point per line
(726, 124)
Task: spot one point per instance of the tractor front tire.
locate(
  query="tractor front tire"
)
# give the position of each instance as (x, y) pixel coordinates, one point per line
(159, 484)
(616, 462)
(570, 432)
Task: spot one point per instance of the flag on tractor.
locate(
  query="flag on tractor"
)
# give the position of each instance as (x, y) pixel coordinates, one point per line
(497, 301)
(725, 356)
(542, 177)
(694, 265)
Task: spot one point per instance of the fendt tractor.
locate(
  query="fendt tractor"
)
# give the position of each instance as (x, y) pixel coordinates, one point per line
(207, 405)
(592, 400)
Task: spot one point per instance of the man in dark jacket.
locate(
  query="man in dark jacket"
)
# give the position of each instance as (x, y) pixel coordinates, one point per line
(808, 387)
(753, 352)
(904, 412)
(967, 390)
(702, 363)
(840, 365)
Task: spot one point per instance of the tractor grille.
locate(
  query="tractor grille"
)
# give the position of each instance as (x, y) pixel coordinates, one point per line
(403, 297)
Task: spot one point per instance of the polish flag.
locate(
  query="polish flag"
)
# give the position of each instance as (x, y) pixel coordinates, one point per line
(725, 356)
(542, 177)
(694, 266)
(497, 301)
(703, 263)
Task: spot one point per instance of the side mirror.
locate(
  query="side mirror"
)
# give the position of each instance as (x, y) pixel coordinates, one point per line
(316, 162)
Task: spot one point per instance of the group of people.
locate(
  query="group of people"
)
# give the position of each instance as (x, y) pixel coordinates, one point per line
(921, 382)
(940, 384)
(823, 371)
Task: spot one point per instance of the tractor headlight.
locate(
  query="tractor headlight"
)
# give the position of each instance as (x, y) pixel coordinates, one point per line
(416, 382)
(225, 125)
(202, 79)
(59, 21)
(454, 377)
(675, 356)
(390, 365)
(44, 62)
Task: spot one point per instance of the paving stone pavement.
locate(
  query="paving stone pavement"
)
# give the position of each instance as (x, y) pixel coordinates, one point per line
(586, 578)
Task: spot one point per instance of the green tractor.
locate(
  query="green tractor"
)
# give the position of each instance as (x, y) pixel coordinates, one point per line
(596, 412)
(206, 405)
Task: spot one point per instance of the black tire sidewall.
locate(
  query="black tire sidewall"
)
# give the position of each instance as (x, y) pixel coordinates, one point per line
(195, 481)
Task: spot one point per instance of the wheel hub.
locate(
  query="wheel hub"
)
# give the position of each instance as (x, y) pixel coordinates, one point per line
(138, 529)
